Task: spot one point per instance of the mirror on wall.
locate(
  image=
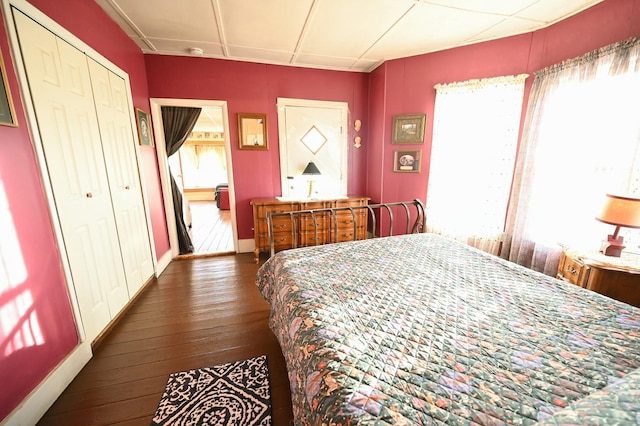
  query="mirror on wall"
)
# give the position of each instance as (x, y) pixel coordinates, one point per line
(252, 131)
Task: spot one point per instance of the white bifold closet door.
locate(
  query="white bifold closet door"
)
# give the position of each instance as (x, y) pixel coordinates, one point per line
(116, 132)
(93, 172)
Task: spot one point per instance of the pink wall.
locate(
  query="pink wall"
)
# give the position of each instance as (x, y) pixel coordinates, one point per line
(38, 276)
(93, 26)
(251, 87)
(405, 86)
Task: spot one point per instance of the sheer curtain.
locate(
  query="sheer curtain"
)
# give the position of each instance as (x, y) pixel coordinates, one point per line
(475, 135)
(581, 140)
(203, 165)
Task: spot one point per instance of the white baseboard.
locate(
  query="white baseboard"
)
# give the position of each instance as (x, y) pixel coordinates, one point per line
(36, 404)
(246, 246)
(163, 262)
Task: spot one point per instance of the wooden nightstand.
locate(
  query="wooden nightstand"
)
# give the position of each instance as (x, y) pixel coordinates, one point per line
(616, 277)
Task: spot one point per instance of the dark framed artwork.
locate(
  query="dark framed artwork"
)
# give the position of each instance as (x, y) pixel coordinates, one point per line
(252, 131)
(7, 113)
(407, 161)
(409, 128)
(144, 128)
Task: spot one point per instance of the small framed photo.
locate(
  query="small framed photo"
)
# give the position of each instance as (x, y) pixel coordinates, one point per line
(144, 128)
(407, 161)
(409, 128)
(7, 113)
(252, 131)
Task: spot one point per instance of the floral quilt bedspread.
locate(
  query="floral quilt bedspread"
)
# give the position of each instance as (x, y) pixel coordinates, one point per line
(419, 329)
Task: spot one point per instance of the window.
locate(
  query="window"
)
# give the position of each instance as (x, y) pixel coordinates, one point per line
(475, 136)
(581, 141)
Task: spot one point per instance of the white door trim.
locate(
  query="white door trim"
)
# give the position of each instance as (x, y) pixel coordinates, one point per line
(163, 164)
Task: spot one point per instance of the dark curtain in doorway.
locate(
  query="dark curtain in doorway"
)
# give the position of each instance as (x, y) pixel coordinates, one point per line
(178, 124)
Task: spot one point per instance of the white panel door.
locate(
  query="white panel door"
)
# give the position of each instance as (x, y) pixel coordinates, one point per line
(58, 76)
(302, 126)
(114, 119)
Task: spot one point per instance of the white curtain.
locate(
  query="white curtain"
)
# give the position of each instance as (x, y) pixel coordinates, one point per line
(475, 135)
(581, 140)
(203, 165)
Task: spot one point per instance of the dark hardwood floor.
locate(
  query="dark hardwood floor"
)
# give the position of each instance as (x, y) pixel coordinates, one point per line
(199, 312)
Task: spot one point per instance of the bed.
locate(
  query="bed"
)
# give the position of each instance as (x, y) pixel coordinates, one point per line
(421, 329)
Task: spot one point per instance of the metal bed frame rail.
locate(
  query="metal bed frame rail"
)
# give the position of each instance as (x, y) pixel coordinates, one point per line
(415, 227)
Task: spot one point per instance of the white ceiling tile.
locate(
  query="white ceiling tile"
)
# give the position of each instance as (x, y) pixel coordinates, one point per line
(348, 28)
(118, 17)
(505, 8)
(509, 26)
(210, 120)
(551, 12)
(170, 19)
(429, 28)
(269, 24)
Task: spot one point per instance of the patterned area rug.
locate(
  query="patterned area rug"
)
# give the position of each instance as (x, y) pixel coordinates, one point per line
(236, 393)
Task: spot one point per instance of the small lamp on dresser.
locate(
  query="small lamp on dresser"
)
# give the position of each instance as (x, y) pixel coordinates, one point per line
(311, 170)
(620, 212)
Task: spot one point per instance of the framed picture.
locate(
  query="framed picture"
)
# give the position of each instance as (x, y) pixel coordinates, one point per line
(144, 128)
(407, 161)
(252, 129)
(409, 128)
(7, 113)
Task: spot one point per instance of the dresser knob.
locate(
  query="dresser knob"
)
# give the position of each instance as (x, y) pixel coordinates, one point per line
(89, 195)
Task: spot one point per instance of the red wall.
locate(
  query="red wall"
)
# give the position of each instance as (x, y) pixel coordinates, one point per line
(251, 87)
(405, 86)
(42, 284)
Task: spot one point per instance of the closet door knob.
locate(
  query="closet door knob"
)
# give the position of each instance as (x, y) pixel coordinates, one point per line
(89, 195)
(127, 187)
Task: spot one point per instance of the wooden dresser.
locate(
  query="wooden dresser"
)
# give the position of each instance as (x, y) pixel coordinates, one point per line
(306, 230)
(616, 277)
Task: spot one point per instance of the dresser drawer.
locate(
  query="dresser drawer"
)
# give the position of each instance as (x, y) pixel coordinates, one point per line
(307, 222)
(263, 210)
(345, 220)
(279, 223)
(573, 271)
(352, 202)
(348, 235)
(309, 238)
(280, 240)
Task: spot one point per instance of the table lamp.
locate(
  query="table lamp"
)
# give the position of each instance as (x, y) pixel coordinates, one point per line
(310, 170)
(619, 211)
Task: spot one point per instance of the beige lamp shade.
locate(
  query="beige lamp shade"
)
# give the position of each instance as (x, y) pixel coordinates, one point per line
(620, 211)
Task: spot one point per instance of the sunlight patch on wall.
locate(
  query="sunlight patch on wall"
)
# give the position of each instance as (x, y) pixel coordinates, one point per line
(20, 327)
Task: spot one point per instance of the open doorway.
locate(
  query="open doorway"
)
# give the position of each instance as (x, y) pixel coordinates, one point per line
(203, 171)
(200, 169)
